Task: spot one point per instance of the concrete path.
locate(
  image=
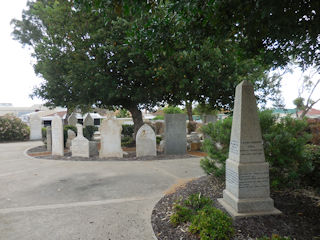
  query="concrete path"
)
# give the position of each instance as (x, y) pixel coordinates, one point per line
(61, 200)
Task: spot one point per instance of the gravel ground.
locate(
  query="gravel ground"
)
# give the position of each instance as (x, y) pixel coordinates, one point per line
(130, 156)
(300, 219)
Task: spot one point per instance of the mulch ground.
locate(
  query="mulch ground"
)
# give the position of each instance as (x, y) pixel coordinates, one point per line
(300, 218)
(41, 152)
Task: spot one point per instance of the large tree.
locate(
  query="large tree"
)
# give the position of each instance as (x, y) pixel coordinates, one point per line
(116, 56)
(84, 58)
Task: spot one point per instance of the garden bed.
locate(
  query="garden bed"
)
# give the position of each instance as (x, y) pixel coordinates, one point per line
(41, 152)
(300, 218)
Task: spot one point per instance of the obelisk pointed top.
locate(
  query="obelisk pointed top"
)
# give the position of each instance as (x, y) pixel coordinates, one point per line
(246, 140)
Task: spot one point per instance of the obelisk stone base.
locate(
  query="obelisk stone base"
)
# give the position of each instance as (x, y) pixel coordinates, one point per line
(247, 189)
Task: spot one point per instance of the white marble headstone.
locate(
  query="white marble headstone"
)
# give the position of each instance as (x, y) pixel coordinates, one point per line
(146, 144)
(110, 132)
(49, 138)
(57, 136)
(80, 145)
(35, 127)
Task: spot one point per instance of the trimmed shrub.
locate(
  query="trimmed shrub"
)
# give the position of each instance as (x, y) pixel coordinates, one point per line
(88, 132)
(192, 126)
(127, 130)
(204, 219)
(127, 141)
(159, 117)
(172, 110)
(216, 145)
(314, 126)
(284, 147)
(13, 129)
(312, 158)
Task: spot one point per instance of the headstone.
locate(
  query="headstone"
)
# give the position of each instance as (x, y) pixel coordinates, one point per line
(247, 190)
(175, 134)
(93, 148)
(211, 119)
(57, 136)
(49, 139)
(161, 146)
(146, 144)
(80, 145)
(110, 132)
(35, 127)
(71, 135)
(73, 120)
(88, 120)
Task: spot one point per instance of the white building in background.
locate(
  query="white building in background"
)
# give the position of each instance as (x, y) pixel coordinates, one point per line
(22, 112)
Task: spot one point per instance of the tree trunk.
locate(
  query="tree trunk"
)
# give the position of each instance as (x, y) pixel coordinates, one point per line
(137, 119)
(189, 110)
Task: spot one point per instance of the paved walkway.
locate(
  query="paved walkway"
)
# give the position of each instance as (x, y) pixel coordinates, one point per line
(61, 200)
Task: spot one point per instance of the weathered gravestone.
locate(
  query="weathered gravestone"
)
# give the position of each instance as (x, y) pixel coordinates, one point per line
(175, 134)
(110, 132)
(35, 127)
(80, 145)
(146, 144)
(210, 118)
(57, 136)
(247, 190)
(49, 138)
(72, 119)
(71, 135)
(88, 120)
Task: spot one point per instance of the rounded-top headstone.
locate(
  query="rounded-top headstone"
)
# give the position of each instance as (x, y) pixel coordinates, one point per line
(146, 142)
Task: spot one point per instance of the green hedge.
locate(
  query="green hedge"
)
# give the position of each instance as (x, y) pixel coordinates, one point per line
(285, 146)
(13, 129)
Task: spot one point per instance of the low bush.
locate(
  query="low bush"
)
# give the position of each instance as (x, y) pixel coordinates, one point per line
(172, 110)
(192, 126)
(312, 156)
(284, 140)
(216, 145)
(44, 133)
(158, 139)
(204, 219)
(127, 141)
(88, 131)
(314, 127)
(127, 130)
(13, 129)
(159, 117)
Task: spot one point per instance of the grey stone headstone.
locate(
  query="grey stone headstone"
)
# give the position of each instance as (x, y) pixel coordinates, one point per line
(71, 135)
(88, 120)
(175, 134)
(35, 127)
(72, 119)
(146, 144)
(57, 136)
(247, 190)
(49, 139)
(110, 133)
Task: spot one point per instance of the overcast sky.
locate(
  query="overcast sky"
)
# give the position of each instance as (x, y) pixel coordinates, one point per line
(18, 77)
